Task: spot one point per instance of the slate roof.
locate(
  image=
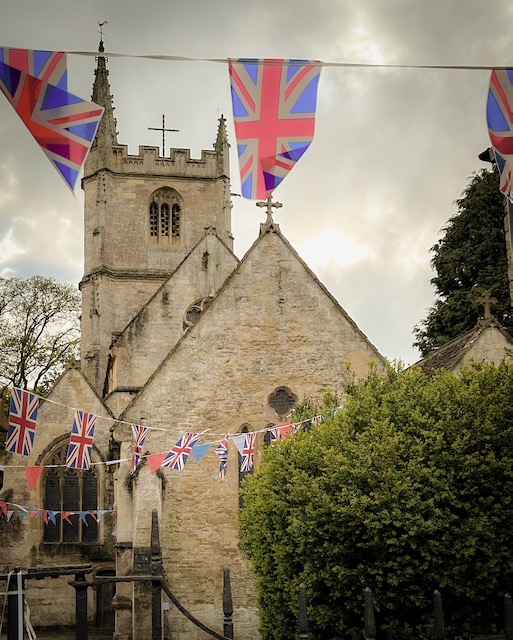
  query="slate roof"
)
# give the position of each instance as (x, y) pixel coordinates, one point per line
(451, 354)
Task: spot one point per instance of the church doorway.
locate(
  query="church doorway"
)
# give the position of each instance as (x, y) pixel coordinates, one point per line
(104, 618)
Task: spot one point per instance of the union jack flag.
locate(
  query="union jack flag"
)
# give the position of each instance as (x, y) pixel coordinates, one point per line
(247, 453)
(62, 124)
(139, 434)
(279, 431)
(499, 115)
(222, 452)
(81, 441)
(23, 410)
(274, 103)
(178, 455)
(49, 66)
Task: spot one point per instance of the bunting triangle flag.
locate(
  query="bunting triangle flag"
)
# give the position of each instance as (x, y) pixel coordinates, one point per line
(155, 460)
(199, 450)
(32, 474)
(222, 454)
(499, 116)
(23, 410)
(63, 124)
(274, 103)
(239, 440)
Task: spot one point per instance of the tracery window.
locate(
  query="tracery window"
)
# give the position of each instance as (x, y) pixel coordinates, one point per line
(282, 401)
(165, 216)
(69, 490)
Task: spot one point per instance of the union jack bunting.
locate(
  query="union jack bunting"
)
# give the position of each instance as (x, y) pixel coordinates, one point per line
(23, 410)
(279, 431)
(49, 66)
(294, 428)
(247, 453)
(62, 124)
(274, 103)
(222, 452)
(499, 115)
(81, 441)
(178, 455)
(139, 434)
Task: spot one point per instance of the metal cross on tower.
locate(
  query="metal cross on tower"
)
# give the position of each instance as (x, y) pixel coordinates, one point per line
(269, 207)
(163, 129)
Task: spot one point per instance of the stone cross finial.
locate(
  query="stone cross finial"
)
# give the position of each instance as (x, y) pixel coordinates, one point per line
(487, 300)
(269, 206)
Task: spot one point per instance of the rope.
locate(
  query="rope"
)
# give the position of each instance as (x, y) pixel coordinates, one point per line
(188, 615)
(31, 634)
(5, 600)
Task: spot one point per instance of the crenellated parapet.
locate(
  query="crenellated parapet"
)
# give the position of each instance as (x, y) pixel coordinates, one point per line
(149, 161)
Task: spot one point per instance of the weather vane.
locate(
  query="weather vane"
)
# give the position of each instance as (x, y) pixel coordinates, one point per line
(100, 24)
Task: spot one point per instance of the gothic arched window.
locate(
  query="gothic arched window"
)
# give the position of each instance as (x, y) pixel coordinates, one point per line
(165, 216)
(72, 493)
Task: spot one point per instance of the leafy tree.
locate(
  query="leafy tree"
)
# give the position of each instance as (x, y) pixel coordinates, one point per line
(468, 259)
(405, 490)
(39, 331)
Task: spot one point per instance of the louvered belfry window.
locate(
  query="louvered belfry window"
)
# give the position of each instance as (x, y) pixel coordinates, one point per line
(165, 216)
(69, 490)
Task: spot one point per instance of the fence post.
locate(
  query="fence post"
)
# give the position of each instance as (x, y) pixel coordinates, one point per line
(438, 613)
(156, 570)
(227, 604)
(303, 614)
(15, 606)
(80, 585)
(508, 617)
(368, 616)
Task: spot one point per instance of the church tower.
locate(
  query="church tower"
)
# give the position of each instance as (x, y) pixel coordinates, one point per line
(143, 214)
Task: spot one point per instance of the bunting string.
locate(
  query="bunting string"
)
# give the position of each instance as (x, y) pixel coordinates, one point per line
(318, 63)
(23, 417)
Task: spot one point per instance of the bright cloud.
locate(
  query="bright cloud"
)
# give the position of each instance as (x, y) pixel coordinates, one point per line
(8, 248)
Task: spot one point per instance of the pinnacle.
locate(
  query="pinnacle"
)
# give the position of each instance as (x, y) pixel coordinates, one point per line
(106, 133)
(222, 135)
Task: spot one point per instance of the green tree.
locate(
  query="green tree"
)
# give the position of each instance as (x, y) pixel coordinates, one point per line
(405, 490)
(468, 259)
(39, 331)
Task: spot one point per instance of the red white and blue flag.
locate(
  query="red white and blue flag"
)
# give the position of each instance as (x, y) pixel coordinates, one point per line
(139, 432)
(499, 115)
(222, 453)
(23, 410)
(280, 431)
(177, 457)
(63, 124)
(274, 103)
(49, 66)
(247, 454)
(81, 441)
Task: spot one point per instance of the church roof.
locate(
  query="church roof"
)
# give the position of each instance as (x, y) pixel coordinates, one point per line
(450, 355)
(255, 287)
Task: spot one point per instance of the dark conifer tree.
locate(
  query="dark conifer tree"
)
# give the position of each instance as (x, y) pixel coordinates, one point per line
(469, 259)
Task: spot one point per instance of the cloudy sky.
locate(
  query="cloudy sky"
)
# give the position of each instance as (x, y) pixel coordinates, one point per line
(392, 151)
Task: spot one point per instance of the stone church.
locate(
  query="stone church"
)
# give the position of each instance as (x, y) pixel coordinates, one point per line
(180, 335)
